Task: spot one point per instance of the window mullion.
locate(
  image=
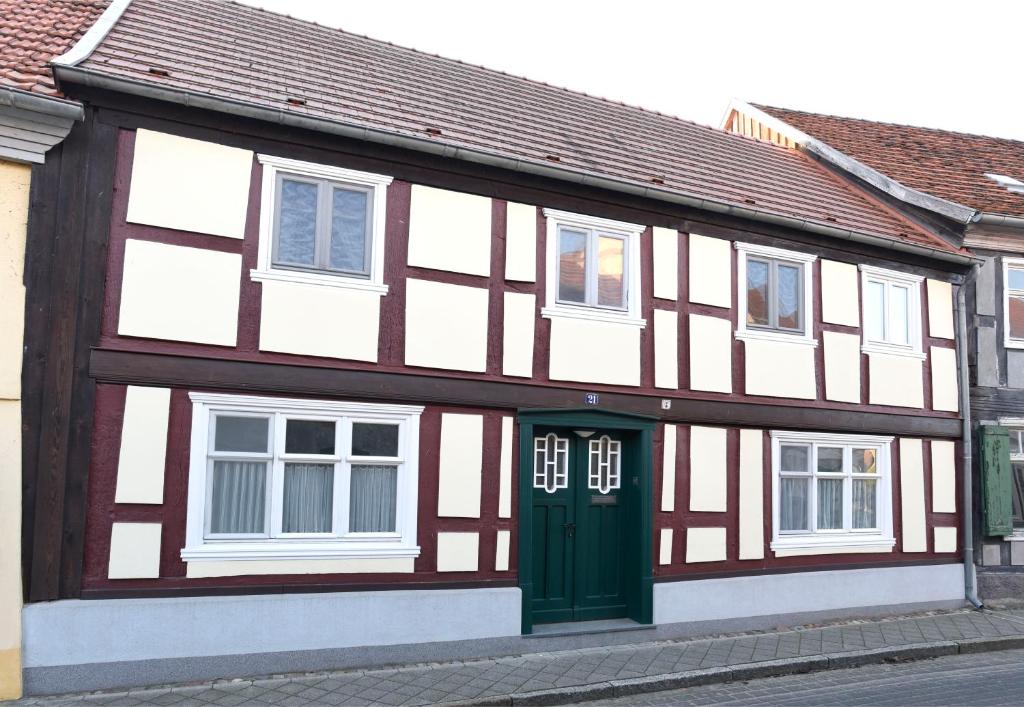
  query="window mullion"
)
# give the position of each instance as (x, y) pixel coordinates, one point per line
(275, 469)
(323, 226)
(848, 489)
(343, 476)
(590, 269)
(773, 294)
(812, 493)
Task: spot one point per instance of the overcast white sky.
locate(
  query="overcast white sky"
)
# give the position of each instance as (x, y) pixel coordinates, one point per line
(943, 64)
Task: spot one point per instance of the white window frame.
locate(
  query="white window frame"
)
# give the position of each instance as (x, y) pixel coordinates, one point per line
(312, 546)
(790, 257)
(880, 539)
(273, 168)
(1016, 263)
(1015, 425)
(891, 278)
(631, 313)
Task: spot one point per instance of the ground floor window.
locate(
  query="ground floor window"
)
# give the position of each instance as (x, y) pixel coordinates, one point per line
(1017, 477)
(830, 491)
(286, 478)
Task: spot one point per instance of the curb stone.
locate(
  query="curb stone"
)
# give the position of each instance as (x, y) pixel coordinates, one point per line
(744, 671)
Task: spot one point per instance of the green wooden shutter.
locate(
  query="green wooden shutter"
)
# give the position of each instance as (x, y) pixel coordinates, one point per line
(996, 485)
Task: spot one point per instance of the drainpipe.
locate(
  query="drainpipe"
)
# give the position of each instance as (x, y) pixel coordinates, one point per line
(970, 588)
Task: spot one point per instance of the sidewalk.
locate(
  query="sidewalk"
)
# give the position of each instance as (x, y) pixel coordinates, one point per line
(591, 673)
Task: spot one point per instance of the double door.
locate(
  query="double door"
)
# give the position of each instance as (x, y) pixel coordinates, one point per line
(579, 525)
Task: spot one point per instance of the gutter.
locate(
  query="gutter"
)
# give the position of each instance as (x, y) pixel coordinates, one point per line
(280, 116)
(970, 586)
(36, 103)
(999, 220)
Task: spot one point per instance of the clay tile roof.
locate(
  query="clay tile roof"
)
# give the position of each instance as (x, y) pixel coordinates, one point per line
(942, 163)
(32, 32)
(244, 54)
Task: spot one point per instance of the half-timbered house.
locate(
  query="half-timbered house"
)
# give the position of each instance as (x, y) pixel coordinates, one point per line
(366, 354)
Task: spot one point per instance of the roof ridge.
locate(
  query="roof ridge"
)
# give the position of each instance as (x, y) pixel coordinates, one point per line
(768, 109)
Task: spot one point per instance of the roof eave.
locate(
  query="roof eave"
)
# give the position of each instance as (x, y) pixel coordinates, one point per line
(943, 207)
(86, 77)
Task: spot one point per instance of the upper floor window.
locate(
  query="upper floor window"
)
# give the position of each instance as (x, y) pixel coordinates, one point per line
(593, 268)
(891, 311)
(775, 288)
(1013, 302)
(279, 478)
(321, 224)
(830, 490)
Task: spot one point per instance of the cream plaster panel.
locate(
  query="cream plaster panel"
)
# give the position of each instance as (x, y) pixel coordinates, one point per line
(915, 537)
(594, 352)
(710, 354)
(666, 263)
(895, 380)
(668, 470)
(450, 231)
(10, 524)
(665, 547)
(945, 539)
(707, 469)
(134, 551)
(779, 369)
(189, 185)
(521, 243)
(14, 187)
(292, 320)
(460, 465)
(751, 495)
(180, 294)
(710, 271)
(502, 545)
(445, 326)
(140, 465)
(705, 544)
(840, 300)
(940, 309)
(943, 477)
(458, 552)
(346, 565)
(945, 391)
(517, 339)
(842, 367)
(666, 349)
(505, 470)
(839, 550)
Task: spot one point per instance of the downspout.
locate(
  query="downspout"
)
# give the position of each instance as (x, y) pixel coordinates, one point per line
(970, 588)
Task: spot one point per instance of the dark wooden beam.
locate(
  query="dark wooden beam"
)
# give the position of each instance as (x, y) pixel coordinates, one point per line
(125, 367)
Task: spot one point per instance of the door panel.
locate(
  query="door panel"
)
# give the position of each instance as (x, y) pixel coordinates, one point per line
(554, 511)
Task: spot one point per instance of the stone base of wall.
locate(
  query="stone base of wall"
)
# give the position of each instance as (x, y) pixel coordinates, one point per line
(995, 583)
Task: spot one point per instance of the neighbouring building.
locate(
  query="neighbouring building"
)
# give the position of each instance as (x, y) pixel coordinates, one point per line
(970, 190)
(34, 118)
(378, 351)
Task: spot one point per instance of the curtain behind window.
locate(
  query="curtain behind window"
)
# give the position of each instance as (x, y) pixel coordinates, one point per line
(374, 494)
(238, 497)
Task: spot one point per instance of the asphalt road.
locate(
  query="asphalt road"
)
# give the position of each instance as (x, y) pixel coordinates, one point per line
(979, 679)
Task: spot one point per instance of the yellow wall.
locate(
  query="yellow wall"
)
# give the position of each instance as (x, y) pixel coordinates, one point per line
(14, 181)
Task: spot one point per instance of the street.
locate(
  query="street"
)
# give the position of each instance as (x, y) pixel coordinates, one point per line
(974, 679)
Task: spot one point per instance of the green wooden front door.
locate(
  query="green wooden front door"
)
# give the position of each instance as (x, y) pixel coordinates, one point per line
(579, 526)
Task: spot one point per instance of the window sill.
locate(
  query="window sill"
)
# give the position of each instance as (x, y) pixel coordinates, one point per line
(892, 351)
(297, 551)
(311, 278)
(593, 315)
(824, 545)
(755, 335)
(1013, 343)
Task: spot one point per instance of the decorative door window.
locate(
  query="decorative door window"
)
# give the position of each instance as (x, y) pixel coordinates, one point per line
(551, 463)
(605, 471)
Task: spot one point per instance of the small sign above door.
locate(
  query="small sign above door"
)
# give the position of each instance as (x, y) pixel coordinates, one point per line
(592, 399)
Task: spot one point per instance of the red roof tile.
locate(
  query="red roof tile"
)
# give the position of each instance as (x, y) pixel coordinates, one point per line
(231, 51)
(942, 163)
(32, 32)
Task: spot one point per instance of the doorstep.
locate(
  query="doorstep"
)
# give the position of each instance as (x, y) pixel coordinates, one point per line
(582, 628)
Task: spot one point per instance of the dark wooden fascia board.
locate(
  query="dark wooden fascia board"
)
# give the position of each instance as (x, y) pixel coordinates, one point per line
(125, 367)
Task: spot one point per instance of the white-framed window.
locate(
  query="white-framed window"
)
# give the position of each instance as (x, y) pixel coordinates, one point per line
(551, 462)
(321, 225)
(604, 472)
(1016, 433)
(831, 491)
(277, 478)
(1013, 303)
(593, 268)
(775, 294)
(891, 312)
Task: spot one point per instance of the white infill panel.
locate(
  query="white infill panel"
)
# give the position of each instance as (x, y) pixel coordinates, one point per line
(943, 477)
(504, 540)
(458, 552)
(505, 471)
(945, 539)
(460, 465)
(450, 231)
(840, 301)
(517, 337)
(594, 352)
(779, 369)
(945, 391)
(521, 243)
(666, 263)
(895, 380)
(668, 470)
(189, 185)
(665, 547)
(915, 536)
(940, 309)
(140, 464)
(710, 271)
(445, 326)
(710, 354)
(134, 551)
(842, 367)
(751, 494)
(708, 469)
(666, 349)
(705, 544)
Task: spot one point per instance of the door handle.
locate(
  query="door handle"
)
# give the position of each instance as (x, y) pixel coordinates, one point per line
(570, 529)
